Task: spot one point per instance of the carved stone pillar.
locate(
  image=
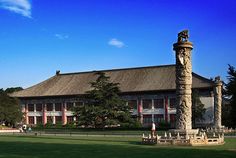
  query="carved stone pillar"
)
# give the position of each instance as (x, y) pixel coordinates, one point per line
(217, 102)
(183, 82)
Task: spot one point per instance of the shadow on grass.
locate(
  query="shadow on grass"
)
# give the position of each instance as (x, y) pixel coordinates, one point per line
(83, 138)
(20, 149)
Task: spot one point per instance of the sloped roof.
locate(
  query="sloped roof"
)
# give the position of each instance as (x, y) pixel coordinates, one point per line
(154, 78)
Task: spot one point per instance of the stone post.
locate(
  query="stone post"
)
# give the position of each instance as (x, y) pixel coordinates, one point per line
(183, 82)
(217, 102)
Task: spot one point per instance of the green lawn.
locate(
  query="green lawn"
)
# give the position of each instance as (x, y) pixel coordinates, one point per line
(42, 146)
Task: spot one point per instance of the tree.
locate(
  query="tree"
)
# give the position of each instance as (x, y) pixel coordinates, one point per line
(103, 105)
(13, 89)
(230, 90)
(198, 109)
(10, 112)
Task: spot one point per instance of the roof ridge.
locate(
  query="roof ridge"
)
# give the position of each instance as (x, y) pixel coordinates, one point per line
(118, 69)
(202, 77)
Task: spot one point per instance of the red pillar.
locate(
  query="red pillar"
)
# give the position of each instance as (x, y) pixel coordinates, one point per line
(166, 109)
(44, 114)
(25, 110)
(140, 111)
(64, 118)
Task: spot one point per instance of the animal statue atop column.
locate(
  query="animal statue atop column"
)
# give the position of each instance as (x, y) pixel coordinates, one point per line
(183, 36)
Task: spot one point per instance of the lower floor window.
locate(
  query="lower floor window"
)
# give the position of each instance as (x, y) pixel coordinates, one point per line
(70, 119)
(158, 118)
(31, 119)
(172, 117)
(147, 119)
(39, 119)
(58, 119)
(49, 119)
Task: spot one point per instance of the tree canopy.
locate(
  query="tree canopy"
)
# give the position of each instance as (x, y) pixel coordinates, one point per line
(230, 90)
(198, 109)
(103, 106)
(10, 111)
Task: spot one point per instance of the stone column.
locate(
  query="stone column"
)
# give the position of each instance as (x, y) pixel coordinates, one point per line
(183, 82)
(217, 102)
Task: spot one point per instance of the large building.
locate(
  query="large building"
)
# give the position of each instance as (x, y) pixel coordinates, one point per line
(150, 91)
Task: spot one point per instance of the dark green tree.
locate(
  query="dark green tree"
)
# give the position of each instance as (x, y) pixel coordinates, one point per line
(103, 105)
(13, 89)
(198, 109)
(230, 90)
(10, 112)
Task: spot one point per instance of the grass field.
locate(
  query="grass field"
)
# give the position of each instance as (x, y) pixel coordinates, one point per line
(60, 147)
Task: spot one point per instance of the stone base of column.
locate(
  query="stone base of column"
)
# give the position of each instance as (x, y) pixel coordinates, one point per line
(184, 131)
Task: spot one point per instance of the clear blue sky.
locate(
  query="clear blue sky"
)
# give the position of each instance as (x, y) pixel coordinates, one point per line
(38, 37)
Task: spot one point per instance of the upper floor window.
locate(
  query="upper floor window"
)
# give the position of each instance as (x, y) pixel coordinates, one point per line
(58, 107)
(49, 107)
(30, 107)
(133, 104)
(79, 103)
(158, 103)
(147, 104)
(39, 107)
(172, 102)
(69, 106)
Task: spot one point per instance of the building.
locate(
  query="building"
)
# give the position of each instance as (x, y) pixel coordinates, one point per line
(150, 91)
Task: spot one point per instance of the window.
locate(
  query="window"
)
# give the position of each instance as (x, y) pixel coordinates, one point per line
(70, 119)
(147, 104)
(172, 103)
(147, 119)
(69, 106)
(39, 119)
(172, 118)
(158, 118)
(31, 119)
(49, 119)
(80, 103)
(30, 107)
(58, 107)
(58, 119)
(133, 104)
(49, 107)
(158, 103)
(39, 107)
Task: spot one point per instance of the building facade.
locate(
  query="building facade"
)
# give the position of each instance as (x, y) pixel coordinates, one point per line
(149, 91)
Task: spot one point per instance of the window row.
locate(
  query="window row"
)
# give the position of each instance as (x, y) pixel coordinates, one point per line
(58, 119)
(49, 106)
(147, 103)
(147, 119)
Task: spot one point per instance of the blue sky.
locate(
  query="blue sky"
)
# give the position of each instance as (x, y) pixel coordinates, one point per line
(38, 37)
